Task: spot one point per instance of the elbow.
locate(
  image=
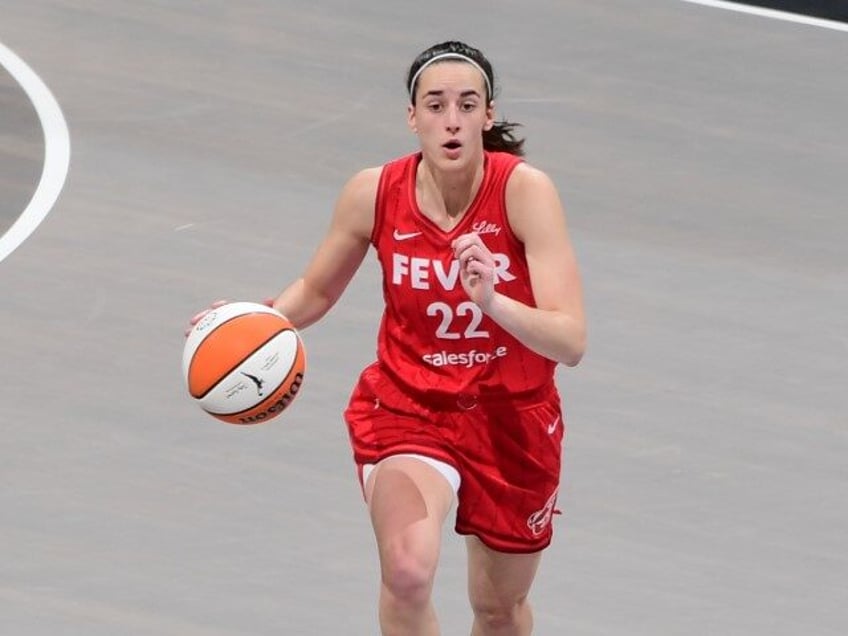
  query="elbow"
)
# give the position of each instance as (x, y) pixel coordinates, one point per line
(576, 350)
(573, 358)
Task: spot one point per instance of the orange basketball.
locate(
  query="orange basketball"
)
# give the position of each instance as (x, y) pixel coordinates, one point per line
(244, 363)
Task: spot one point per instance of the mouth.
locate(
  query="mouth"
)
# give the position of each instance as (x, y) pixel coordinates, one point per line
(453, 144)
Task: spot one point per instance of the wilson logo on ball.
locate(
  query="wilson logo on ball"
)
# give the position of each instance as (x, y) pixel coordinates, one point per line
(277, 407)
(244, 363)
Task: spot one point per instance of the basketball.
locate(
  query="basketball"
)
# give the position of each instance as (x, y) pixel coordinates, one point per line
(243, 363)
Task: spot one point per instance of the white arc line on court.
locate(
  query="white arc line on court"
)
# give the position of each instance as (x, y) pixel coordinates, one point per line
(57, 152)
(772, 13)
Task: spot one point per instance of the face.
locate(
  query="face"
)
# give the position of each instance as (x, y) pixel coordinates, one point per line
(450, 114)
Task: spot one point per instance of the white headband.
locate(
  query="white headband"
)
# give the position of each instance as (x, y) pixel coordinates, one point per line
(448, 56)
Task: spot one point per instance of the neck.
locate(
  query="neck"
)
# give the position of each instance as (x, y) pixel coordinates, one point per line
(445, 196)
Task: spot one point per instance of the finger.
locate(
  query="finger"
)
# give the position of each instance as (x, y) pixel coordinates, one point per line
(460, 240)
(465, 241)
(199, 315)
(476, 254)
(196, 318)
(478, 269)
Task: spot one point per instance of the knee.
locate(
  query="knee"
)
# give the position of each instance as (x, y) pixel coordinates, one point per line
(495, 615)
(408, 576)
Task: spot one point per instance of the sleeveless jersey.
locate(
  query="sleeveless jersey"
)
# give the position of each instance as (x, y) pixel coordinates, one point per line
(433, 340)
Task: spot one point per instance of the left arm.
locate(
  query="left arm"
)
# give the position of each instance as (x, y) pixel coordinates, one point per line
(556, 327)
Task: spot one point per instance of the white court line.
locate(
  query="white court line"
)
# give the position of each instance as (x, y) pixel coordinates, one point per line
(773, 13)
(57, 152)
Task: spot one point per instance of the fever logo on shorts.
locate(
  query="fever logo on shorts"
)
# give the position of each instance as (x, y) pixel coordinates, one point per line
(541, 519)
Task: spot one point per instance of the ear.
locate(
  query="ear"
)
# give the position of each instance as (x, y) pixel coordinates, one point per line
(410, 118)
(490, 116)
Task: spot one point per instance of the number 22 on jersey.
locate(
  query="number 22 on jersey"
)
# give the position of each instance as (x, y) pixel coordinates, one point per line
(450, 326)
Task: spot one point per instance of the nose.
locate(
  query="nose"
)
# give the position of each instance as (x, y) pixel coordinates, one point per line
(452, 120)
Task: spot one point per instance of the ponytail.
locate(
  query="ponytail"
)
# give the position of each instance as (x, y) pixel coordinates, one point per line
(501, 138)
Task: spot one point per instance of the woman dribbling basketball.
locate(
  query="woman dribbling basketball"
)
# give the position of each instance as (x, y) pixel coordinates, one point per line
(482, 300)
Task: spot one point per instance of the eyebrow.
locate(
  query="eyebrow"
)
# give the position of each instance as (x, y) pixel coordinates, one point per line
(466, 93)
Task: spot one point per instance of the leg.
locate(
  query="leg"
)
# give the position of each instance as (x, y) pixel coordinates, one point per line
(498, 585)
(408, 500)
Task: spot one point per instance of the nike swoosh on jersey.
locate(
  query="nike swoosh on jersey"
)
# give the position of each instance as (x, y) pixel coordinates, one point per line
(402, 236)
(553, 425)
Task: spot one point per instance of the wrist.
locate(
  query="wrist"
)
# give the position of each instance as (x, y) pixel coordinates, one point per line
(491, 304)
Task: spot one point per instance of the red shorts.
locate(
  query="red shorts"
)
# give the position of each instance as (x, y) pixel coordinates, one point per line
(508, 453)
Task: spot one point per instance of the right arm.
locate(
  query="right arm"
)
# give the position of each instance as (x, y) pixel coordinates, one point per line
(338, 256)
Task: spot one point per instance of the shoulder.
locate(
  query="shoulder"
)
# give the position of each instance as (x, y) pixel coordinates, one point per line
(527, 180)
(354, 210)
(359, 195)
(362, 186)
(532, 200)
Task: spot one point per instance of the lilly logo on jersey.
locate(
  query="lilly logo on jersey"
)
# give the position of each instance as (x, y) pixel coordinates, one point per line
(422, 273)
(484, 227)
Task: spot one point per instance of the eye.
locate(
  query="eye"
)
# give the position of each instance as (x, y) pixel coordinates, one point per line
(467, 107)
(434, 107)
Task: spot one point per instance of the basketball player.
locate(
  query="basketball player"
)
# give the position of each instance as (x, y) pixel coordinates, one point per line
(482, 300)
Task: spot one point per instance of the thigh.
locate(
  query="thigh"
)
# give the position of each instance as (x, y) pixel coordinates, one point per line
(408, 501)
(498, 579)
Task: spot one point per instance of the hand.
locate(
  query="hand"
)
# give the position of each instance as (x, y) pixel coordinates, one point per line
(476, 268)
(218, 303)
(199, 316)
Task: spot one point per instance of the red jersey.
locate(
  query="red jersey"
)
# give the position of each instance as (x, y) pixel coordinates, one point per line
(434, 340)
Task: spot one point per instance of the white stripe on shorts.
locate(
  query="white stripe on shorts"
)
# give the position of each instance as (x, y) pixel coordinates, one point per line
(447, 471)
